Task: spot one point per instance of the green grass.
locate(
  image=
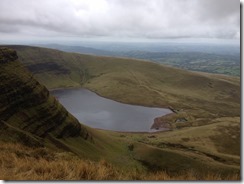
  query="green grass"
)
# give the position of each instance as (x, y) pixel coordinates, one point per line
(139, 82)
(209, 139)
(31, 116)
(214, 146)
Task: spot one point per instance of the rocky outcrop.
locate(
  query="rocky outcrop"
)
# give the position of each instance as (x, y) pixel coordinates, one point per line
(27, 105)
(176, 119)
(7, 55)
(162, 123)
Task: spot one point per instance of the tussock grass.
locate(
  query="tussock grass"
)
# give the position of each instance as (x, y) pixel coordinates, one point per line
(18, 162)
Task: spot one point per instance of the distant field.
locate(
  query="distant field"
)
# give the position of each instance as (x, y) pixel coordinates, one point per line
(207, 58)
(196, 61)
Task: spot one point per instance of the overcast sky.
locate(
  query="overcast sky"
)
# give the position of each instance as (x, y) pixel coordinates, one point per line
(119, 19)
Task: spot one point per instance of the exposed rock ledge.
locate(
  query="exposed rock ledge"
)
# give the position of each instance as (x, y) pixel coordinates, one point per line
(7, 55)
(162, 122)
(177, 119)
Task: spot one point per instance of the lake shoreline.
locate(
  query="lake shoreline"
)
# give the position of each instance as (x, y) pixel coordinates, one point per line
(100, 112)
(150, 106)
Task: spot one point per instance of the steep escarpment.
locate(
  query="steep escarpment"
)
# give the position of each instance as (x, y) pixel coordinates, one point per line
(31, 116)
(26, 105)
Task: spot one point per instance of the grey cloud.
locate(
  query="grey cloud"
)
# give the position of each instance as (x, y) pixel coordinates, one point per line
(218, 10)
(121, 18)
(6, 28)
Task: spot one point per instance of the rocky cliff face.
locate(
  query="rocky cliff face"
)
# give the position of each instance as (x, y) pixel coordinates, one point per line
(7, 55)
(26, 105)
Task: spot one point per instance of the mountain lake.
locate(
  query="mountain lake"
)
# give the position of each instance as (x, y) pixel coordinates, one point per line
(102, 113)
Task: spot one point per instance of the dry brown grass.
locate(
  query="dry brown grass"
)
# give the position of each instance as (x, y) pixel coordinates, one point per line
(18, 162)
(23, 163)
(190, 175)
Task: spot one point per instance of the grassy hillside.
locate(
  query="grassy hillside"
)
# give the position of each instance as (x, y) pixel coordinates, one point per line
(228, 64)
(197, 97)
(207, 140)
(67, 166)
(215, 144)
(206, 58)
(31, 116)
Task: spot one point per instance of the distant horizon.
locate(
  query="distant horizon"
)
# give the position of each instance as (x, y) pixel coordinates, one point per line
(200, 41)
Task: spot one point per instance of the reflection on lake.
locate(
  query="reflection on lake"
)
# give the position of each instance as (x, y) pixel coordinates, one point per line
(103, 113)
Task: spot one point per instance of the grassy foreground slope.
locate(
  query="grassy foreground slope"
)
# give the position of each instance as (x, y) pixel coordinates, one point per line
(209, 103)
(17, 164)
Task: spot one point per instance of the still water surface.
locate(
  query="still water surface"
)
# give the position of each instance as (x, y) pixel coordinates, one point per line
(98, 112)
